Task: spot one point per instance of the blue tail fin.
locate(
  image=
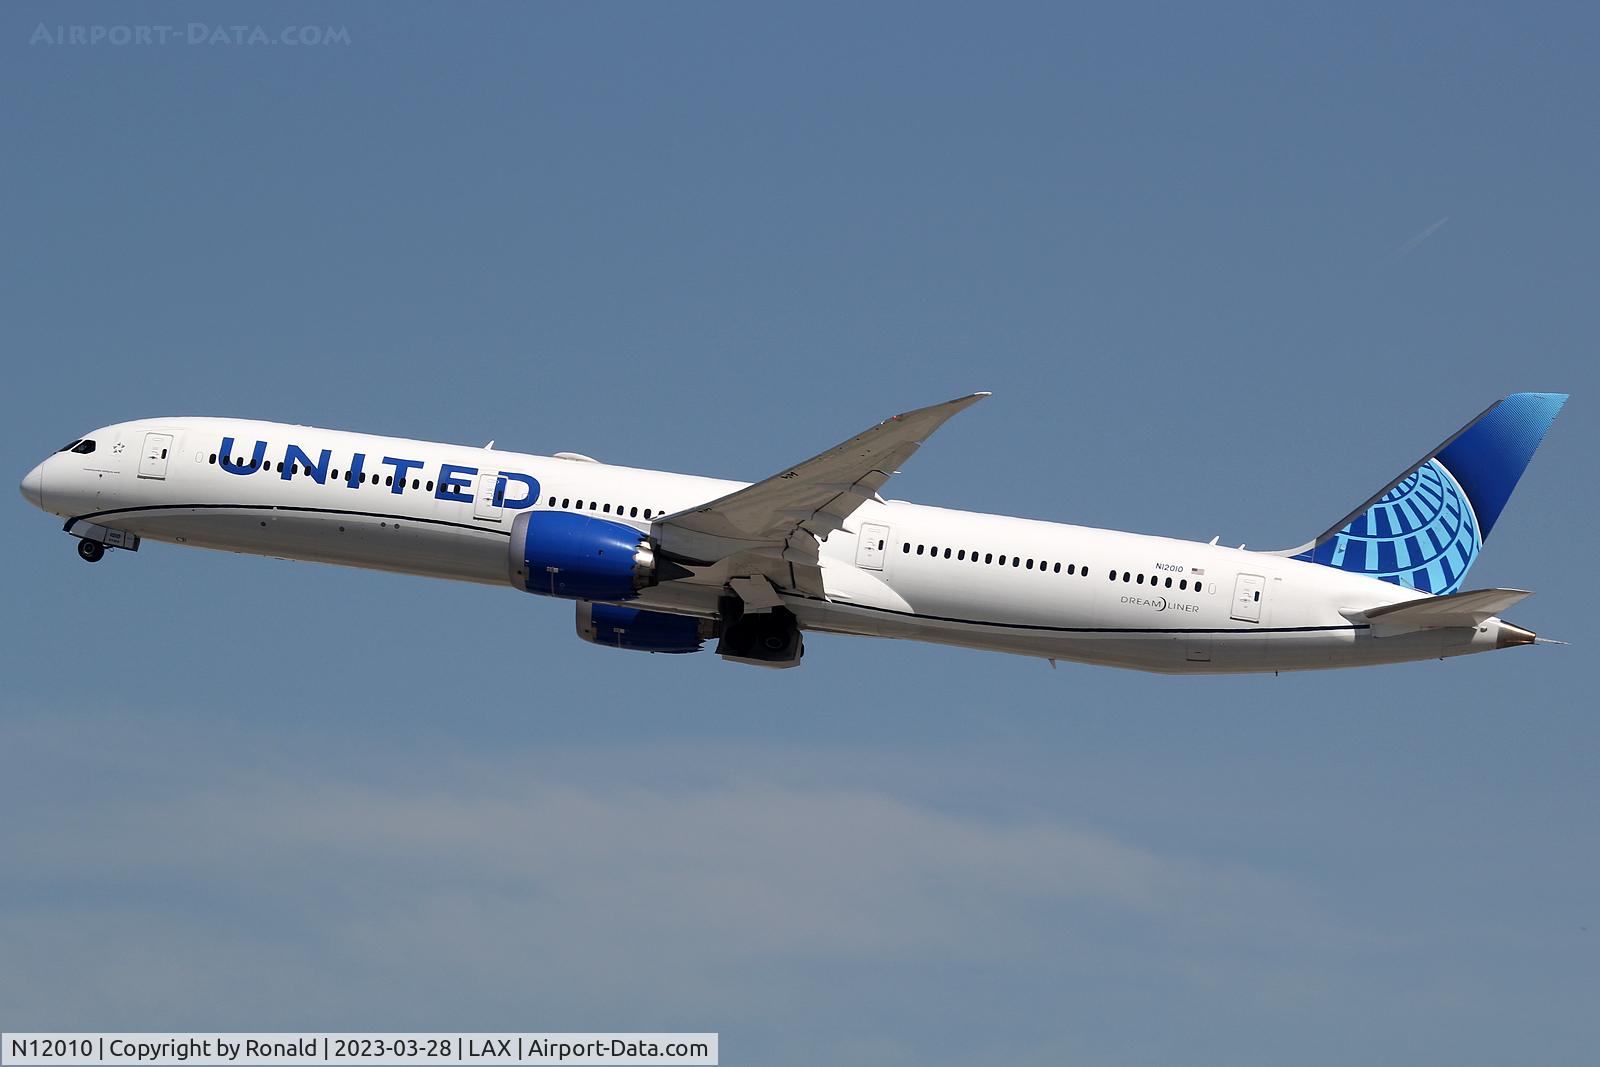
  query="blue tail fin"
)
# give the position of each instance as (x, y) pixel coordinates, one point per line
(1425, 528)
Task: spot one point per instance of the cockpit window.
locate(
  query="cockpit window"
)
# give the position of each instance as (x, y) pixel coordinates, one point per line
(70, 445)
(83, 448)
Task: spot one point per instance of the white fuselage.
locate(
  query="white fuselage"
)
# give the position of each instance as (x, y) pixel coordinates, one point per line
(960, 578)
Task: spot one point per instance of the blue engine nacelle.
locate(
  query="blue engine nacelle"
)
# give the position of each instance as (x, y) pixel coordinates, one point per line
(558, 553)
(640, 630)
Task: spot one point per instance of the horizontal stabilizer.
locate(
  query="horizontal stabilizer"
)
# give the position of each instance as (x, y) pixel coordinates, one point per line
(1439, 612)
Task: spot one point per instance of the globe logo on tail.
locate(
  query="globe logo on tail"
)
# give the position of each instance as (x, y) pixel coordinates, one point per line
(1422, 534)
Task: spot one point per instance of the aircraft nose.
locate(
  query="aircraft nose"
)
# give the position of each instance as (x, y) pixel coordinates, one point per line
(33, 487)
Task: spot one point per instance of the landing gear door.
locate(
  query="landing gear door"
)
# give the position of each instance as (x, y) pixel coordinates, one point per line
(490, 497)
(870, 551)
(153, 460)
(1248, 590)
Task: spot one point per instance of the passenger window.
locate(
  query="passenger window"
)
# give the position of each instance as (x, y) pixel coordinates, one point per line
(1016, 561)
(961, 555)
(633, 513)
(213, 458)
(566, 501)
(1183, 583)
(906, 548)
(389, 481)
(919, 550)
(947, 553)
(416, 483)
(647, 513)
(1169, 583)
(1127, 577)
(1058, 569)
(988, 557)
(1139, 580)
(1030, 564)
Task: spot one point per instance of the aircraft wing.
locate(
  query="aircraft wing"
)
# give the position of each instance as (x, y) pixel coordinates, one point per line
(782, 519)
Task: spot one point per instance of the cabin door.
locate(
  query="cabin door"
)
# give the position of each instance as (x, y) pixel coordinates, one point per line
(490, 497)
(153, 460)
(1248, 590)
(872, 546)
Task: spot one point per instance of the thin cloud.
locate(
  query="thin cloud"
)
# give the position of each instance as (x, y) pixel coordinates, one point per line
(1416, 240)
(460, 890)
(204, 873)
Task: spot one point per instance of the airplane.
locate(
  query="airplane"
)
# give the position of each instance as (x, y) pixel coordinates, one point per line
(663, 562)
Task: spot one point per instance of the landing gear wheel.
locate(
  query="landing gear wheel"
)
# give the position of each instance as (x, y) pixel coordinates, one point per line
(765, 639)
(91, 551)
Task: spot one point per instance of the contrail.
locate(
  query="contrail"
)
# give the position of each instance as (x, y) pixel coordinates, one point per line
(1412, 245)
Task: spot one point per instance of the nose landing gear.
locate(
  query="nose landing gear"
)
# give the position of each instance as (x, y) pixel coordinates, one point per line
(93, 540)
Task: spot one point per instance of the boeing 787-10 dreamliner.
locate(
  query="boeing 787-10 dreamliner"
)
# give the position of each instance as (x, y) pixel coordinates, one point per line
(662, 562)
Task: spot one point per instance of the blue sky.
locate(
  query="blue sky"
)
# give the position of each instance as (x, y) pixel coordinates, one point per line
(1227, 271)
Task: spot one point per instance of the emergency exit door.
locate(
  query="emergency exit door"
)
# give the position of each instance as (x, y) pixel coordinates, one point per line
(1247, 593)
(870, 550)
(153, 460)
